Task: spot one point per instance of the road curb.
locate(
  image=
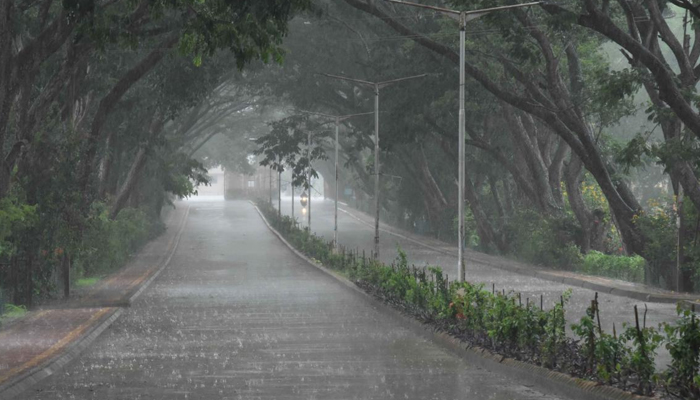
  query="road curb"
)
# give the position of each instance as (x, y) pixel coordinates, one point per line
(22, 382)
(690, 306)
(553, 381)
(165, 263)
(26, 380)
(345, 281)
(542, 274)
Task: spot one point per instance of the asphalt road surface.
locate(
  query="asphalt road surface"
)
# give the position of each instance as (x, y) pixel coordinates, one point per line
(356, 235)
(236, 315)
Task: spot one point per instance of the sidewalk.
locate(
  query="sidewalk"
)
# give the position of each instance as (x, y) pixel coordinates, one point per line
(601, 284)
(42, 342)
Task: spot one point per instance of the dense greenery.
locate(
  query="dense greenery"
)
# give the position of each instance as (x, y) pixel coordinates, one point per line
(103, 106)
(619, 267)
(524, 329)
(579, 138)
(108, 243)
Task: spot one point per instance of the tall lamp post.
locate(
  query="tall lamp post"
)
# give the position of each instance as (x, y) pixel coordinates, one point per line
(337, 119)
(462, 17)
(376, 86)
(308, 177)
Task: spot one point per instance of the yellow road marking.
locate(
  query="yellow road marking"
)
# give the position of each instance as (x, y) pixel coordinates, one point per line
(170, 247)
(75, 333)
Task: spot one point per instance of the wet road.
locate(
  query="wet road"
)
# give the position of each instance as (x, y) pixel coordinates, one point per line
(236, 315)
(356, 235)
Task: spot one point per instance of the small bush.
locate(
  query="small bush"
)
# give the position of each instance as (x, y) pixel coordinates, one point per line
(544, 241)
(85, 282)
(618, 267)
(14, 217)
(107, 244)
(683, 342)
(11, 311)
(501, 322)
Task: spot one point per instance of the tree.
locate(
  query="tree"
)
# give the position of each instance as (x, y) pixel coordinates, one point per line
(87, 103)
(287, 145)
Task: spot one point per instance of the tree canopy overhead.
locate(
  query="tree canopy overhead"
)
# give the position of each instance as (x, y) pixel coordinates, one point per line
(101, 106)
(549, 87)
(578, 112)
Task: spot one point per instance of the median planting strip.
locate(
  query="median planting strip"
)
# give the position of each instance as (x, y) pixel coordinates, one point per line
(512, 332)
(601, 284)
(44, 341)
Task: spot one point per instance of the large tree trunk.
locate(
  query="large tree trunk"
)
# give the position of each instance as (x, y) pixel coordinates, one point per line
(431, 194)
(592, 226)
(680, 170)
(6, 60)
(552, 105)
(130, 182)
(493, 185)
(132, 178)
(483, 226)
(106, 106)
(555, 171)
(535, 165)
(670, 86)
(106, 164)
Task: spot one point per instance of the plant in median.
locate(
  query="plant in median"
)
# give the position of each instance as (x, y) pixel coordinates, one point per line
(531, 330)
(644, 341)
(683, 342)
(554, 331)
(501, 322)
(613, 357)
(503, 318)
(586, 331)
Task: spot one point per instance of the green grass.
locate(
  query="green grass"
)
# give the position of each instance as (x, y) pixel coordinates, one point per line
(12, 311)
(85, 282)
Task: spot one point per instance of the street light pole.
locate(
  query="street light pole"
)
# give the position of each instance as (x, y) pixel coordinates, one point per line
(308, 176)
(461, 270)
(335, 223)
(376, 171)
(337, 119)
(462, 17)
(376, 86)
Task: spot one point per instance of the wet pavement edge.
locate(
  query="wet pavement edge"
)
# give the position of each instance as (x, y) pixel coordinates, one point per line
(554, 381)
(85, 334)
(535, 272)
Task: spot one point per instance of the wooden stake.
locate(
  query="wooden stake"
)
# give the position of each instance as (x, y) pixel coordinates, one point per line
(541, 302)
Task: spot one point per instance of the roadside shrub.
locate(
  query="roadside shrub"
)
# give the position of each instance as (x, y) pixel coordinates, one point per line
(658, 223)
(471, 237)
(612, 266)
(544, 241)
(107, 244)
(11, 311)
(683, 342)
(501, 322)
(644, 343)
(14, 218)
